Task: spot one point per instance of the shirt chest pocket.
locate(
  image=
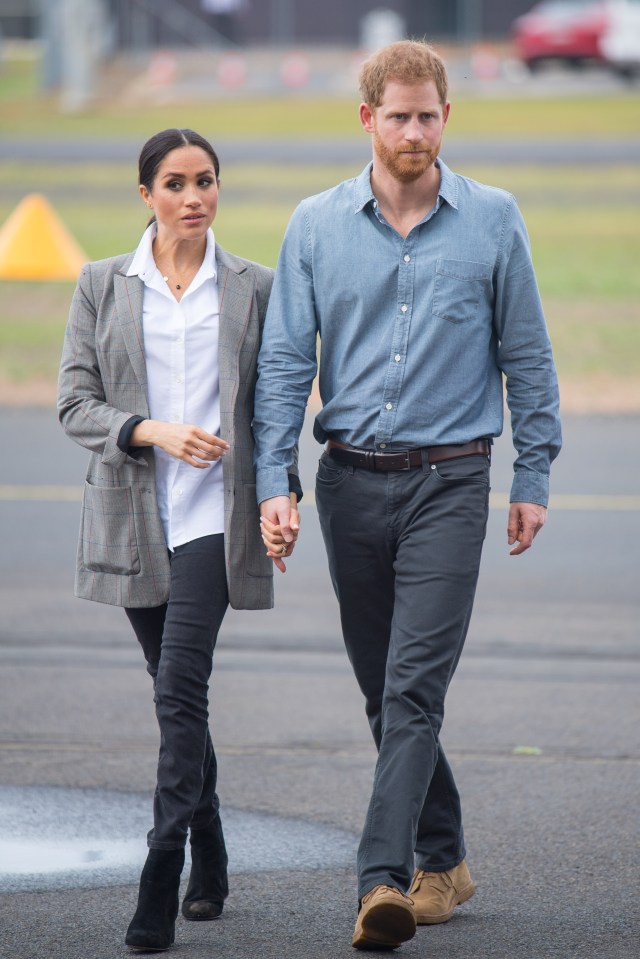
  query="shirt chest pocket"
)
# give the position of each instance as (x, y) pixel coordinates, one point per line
(459, 288)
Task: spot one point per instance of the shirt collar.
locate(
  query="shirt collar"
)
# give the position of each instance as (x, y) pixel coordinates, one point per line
(363, 191)
(448, 190)
(448, 184)
(144, 265)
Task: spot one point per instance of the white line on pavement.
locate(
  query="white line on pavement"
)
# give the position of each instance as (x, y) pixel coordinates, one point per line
(591, 503)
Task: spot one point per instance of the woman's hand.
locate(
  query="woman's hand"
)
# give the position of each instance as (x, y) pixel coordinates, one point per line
(186, 442)
(280, 536)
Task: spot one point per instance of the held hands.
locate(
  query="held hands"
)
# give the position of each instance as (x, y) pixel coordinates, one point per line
(279, 526)
(525, 521)
(186, 442)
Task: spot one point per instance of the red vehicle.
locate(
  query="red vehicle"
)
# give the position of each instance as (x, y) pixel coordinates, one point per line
(567, 30)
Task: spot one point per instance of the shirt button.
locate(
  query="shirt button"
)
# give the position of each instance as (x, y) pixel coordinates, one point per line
(407, 258)
(404, 307)
(375, 204)
(179, 492)
(389, 406)
(397, 357)
(383, 446)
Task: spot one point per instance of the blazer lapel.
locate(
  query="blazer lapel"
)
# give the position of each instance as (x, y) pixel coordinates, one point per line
(235, 293)
(129, 291)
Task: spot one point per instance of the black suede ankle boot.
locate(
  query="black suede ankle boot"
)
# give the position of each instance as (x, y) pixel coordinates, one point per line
(208, 886)
(152, 928)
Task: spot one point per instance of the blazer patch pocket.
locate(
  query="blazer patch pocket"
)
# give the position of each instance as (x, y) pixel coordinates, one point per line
(109, 543)
(459, 286)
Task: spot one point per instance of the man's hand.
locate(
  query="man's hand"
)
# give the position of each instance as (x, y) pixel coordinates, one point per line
(279, 523)
(525, 521)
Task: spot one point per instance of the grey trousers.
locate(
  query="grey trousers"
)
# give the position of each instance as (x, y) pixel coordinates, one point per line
(404, 554)
(178, 640)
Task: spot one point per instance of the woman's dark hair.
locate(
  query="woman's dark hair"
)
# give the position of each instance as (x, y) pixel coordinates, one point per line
(156, 148)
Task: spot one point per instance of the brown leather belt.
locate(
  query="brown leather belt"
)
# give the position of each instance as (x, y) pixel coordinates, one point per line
(403, 459)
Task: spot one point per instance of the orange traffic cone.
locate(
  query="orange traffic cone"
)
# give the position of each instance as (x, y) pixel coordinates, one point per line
(35, 245)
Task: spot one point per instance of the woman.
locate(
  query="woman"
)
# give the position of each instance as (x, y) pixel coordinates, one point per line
(157, 380)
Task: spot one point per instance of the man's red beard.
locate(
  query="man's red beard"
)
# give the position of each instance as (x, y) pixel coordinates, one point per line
(400, 163)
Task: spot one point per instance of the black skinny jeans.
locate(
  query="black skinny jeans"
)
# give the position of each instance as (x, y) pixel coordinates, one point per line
(178, 640)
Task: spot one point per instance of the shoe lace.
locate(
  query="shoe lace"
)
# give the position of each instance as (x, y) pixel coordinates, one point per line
(386, 889)
(430, 877)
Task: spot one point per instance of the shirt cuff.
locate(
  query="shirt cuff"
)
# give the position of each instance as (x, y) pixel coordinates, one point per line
(272, 481)
(530, 487)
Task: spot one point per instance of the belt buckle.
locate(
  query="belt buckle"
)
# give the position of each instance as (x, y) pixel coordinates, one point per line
(407, 462)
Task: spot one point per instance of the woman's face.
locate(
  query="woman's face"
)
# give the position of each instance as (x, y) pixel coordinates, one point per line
(184, 195)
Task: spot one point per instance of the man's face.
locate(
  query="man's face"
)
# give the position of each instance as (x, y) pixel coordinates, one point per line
(407, 128)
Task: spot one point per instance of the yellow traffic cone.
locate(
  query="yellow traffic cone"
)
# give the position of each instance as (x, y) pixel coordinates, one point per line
(35, 245)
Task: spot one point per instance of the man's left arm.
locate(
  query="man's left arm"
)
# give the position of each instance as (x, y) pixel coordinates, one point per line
(526, 359)
(287, 364)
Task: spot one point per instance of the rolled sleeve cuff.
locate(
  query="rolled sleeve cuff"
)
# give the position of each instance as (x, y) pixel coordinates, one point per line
(530, 487)
(113, 455)
(124, 436)
(272, 482)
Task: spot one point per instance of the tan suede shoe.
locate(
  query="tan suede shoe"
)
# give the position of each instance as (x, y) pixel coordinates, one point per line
(436, 894)
(386, 919)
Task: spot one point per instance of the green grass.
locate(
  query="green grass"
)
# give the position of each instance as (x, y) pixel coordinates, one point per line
(557, 117)
(31, 330)
(595, 339)
(586, 253)
(314, 118)
(18, 82)
(587, 185)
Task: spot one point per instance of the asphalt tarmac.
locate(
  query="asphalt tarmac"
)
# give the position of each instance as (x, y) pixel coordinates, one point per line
(541, 729)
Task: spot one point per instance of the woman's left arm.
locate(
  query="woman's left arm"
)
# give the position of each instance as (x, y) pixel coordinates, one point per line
(83, 410)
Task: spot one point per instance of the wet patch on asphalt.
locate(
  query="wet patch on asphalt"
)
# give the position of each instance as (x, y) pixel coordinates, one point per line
(52, 838)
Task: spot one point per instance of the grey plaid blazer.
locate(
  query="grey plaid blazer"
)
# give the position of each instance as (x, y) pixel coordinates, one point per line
(122, 554)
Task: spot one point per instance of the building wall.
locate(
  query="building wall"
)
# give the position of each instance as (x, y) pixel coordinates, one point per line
(19, 19)
(456, 18)
(339, 21)
(296, 21)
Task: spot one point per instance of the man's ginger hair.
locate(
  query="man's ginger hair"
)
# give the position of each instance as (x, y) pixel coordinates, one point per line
(408, 61)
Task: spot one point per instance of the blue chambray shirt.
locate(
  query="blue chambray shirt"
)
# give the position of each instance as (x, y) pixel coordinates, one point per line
(415, 333)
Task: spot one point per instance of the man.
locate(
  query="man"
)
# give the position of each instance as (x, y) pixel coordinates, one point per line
(421, 287)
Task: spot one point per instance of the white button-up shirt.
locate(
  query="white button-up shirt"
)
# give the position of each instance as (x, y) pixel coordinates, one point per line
(181, 353)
